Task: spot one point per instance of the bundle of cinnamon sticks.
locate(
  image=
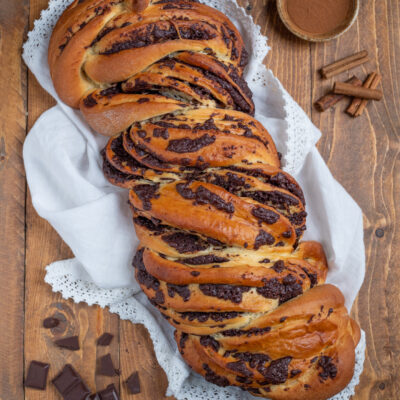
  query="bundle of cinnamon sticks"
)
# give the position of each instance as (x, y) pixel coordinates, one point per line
(360, 91)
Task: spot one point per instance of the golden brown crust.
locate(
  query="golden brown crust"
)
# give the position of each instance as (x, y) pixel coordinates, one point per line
(219, 223)
(99, 43)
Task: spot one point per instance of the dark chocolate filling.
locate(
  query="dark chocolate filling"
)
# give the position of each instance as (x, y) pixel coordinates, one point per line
(181, 290)
(265, 215)
(146, 279)
(329, 369)
(277, 372)
(212, 377)
(187, 145)
(155, 33)
(146, 193)
(240, 368)
(225, 292)
(284, 291)
(248, 332)
(185, 242)
(204, 316)
(262, 239)
(202, 260)
(209, 341)
(204, 196)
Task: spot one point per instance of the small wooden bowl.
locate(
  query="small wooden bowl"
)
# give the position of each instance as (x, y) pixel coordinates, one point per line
(282, 10)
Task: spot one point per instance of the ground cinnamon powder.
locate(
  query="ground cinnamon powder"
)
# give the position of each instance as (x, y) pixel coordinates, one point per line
(319, 16)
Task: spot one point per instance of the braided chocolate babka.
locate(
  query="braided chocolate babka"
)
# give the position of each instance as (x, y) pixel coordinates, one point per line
(219, 223)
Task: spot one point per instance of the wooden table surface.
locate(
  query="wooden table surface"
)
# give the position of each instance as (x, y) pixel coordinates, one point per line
(362, 154)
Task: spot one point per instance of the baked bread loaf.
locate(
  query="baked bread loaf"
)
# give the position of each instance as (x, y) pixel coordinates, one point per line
(219, 223)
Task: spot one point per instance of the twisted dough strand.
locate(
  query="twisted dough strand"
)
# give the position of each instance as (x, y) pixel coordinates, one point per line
(219, 223)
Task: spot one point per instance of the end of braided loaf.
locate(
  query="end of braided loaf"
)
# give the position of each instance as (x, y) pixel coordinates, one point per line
(219, 223)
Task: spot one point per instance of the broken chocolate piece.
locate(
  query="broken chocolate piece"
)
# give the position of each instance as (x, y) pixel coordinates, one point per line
(133, 383)
(70, 384)
(70, 343)
(37, 375)
(109, 393)
(106, 366)
(50, 322)
(105, 339)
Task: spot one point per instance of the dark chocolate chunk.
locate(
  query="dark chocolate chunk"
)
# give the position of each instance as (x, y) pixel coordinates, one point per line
(204, 316)
(181, 290)
(70, 343)
(185, 242)
(109, 393)
(37, 375)
(161, 132)
(225, 292)
(187, 145)
(262, 239)
(50, 322)
(329, 369)
(133, 383)
(265, 215)
(255, 360)
(89, 101)
(78, 392)
(240, 367)
(106, 366)
(209, 341)
(279, 266)
(182, 341)
(206, 259)
(248, 332)
(105, 339)
(294, 372)
(70, 384)
(214, 378)
(284, 291)
(146, 193)
(146, 279)
(276, 372)
(204, 196)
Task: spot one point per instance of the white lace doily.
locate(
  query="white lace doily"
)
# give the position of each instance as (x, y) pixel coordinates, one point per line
(300, 136)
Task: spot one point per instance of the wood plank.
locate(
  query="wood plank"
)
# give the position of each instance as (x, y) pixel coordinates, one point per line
(137, 354)
(362, 154)
(13, 27)
(43, 247)
(369, 174)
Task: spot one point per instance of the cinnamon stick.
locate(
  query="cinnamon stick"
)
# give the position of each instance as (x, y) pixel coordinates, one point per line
(350, 90)
(353, 107)
(330, 99)
(375, 82)
(344, 64)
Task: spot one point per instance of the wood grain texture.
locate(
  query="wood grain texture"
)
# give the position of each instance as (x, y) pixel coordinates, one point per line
(362, 153)
(13, 26)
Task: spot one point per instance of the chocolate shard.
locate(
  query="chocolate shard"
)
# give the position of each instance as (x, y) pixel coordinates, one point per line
(70, 385)
(78, 392)
(109, 393)
(106, 366)
(133, 383)
(105, 339)
(50, 322)
(70, 343)
(37, 375)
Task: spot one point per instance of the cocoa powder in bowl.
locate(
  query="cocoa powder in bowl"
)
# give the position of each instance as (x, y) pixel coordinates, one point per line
(318, 20)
